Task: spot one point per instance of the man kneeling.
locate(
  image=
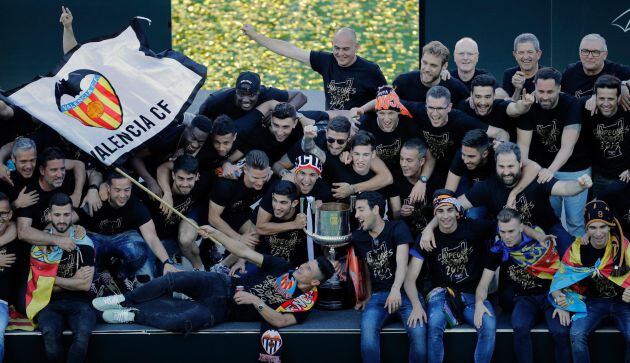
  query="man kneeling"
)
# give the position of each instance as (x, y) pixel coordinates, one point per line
(279, 295)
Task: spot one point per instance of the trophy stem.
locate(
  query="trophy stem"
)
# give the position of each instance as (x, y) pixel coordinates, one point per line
(332, 253)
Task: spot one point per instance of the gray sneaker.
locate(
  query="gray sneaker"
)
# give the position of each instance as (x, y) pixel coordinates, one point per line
(108, 302)
(119, 316)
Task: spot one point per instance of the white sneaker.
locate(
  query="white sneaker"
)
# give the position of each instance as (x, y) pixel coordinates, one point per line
(108, 302)
(119, 316)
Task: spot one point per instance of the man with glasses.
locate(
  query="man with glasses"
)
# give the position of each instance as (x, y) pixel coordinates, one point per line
(579, 78)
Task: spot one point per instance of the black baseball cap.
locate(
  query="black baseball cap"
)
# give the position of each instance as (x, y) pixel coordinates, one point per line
(248, 83)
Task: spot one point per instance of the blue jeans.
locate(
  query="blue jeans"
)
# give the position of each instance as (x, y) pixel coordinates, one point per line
(4, 321)
(80, 316)
(437, 324)
(527, 312)
(375, 316)
(127, 252)
(598, 309)
(210, 293)
(573, 206)
(563, 239)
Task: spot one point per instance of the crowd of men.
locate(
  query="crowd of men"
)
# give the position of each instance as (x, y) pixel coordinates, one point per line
(448, 172)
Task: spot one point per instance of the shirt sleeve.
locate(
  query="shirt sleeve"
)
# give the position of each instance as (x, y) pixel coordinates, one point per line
(210, 107)
(274, 265)
(524, 122)
(548, 187)
(141, 213)
(402, 235)
(272, 93)
(573, 112)
(221, 192)
(245, 125)
(320, 60)
(457, 164)
(466, 122)
(507, 82)
(493, 261)
(477, 194)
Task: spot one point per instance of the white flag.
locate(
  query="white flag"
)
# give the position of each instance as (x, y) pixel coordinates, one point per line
(111, 95)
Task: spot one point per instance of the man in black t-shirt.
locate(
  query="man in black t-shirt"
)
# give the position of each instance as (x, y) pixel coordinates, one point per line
(414, 86)
(527, 53)
(456, 261)
(549, 134)
(579, 78)
(245, 96)
(277, 294)
(349, 80)
(527, 266)
(73, 288)
(608, 132)
(466, 56)
(383, 246)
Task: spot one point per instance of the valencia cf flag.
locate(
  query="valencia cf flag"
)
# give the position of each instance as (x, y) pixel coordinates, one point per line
(109, 96)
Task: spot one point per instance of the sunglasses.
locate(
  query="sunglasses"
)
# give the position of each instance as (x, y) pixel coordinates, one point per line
(331, 140)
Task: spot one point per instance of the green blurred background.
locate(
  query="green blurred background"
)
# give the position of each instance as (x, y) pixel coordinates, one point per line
(209, 32)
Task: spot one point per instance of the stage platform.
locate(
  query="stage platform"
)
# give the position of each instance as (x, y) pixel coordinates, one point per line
(324, 337)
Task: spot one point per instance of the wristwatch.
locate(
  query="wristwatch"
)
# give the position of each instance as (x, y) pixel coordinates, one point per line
(423, 179)
(93, 186)
(260, 306)
(169, 261)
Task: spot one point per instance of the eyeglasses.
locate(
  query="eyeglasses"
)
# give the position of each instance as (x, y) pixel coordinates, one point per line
(594, 53)
(331, 140)
(431, 108)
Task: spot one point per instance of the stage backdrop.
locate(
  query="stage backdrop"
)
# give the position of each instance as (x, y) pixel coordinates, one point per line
(558, 24)
(31, 34)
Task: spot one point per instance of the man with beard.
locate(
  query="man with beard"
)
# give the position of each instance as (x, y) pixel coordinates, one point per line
(245, 96)
(609, 133)
(532, 203)
(187, 191)
(383, 246)
(527, 53)
(549, 134)
(72, 291)
(527, 266)
(484, 105)
(579, 78)
(594, 280)
(349, 80)
(414, 85)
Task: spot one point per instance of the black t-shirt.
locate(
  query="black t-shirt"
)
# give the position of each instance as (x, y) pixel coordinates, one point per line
(38, 212)
(19, 182)
(482, 172)
(547, 127)
(508, 87)
(329, 167)
(167, 228)
(234, 196)
(423, 211)
(320, 191)
(597, 286)
(347, 87)
(532, 203)
(497, 116)
(263, 283)
(610, 142)
(222, 102)
(346, 174)
(616, 195)
(478, 71)
(109, 220)
(11, 277)
(460, 257)
(576, 82)
(263, 139)
(71, 262)
(516, 276)
(289, 245)
(380, 252)
(443, 141)
(388, 144)
(410, 88)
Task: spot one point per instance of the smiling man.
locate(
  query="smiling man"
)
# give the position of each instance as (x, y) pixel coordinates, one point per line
(527, 53)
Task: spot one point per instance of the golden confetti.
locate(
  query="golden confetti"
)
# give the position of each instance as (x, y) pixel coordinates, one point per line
(209, 31)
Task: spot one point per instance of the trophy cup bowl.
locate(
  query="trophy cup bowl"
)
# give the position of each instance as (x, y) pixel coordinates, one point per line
(332, 226)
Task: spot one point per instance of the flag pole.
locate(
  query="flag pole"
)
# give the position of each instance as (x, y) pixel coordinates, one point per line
(154, 196)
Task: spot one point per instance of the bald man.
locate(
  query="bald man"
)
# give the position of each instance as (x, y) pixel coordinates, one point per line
(349, 80)
(466, 56)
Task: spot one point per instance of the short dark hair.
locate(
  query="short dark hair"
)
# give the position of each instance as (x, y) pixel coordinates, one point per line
(339, 124)
(325, 267)
(476, 138)
(483, 80)
(507, 214)
(59, 200)
(418, 145)
(363, 138)
(438, 92)
(257, 159)
(549, 73)
(508, 148)
(5, 197)
(50, 153)
(286, 188)
(373, 198)
(202, 123)
(223, 125)
(608, 81)
(284, 110)
(113, 174)
(186, 163)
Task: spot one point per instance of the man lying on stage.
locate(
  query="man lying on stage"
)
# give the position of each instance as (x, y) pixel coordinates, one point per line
(280, 295)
